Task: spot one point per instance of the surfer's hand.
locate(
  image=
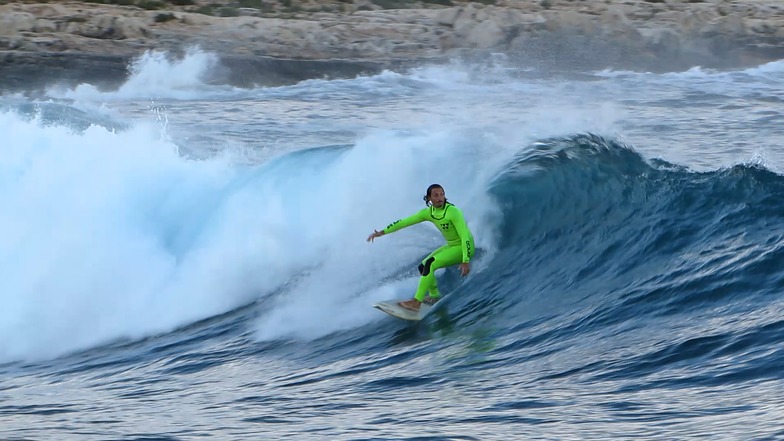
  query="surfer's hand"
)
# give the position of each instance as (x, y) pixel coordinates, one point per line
(374, 235)
(465, 268)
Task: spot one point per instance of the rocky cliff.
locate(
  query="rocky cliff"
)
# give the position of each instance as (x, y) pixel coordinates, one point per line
(649, 34)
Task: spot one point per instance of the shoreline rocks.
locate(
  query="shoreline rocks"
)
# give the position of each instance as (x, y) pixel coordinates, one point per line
(655, 35)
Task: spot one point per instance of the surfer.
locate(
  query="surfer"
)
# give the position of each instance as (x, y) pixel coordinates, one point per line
(459, 246)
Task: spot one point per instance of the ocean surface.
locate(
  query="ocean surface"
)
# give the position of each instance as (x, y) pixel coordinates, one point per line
(183, 260)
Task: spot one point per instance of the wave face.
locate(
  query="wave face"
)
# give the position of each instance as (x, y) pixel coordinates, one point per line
(657, 235)
(181, 259)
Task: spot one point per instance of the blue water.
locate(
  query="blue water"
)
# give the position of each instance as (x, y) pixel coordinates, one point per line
(184, 260)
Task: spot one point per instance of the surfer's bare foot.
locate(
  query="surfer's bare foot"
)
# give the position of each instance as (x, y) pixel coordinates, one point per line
(412, 304)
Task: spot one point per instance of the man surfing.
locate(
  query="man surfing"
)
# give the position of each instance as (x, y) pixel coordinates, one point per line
(459, 246)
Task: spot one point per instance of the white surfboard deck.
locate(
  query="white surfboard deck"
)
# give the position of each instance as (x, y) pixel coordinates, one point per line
(392, 308)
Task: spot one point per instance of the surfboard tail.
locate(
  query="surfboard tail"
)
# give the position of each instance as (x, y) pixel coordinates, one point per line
(393, 308)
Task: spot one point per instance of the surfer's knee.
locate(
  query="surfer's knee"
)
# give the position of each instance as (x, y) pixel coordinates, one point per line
(424, 268)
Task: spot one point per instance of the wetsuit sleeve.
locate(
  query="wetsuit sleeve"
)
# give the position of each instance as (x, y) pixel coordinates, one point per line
(462, 229)
(415, 218)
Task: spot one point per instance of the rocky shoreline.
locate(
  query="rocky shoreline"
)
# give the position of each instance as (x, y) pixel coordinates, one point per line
(76, 41)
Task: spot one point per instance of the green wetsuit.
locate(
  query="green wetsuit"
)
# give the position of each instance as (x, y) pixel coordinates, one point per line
(459, 246)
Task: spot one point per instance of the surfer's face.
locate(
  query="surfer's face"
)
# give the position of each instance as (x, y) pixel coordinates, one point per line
(437, 197)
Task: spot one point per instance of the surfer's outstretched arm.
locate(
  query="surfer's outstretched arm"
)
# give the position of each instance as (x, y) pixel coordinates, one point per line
(415, 218)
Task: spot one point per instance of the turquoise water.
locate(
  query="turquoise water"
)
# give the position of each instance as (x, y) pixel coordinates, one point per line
(184, 259)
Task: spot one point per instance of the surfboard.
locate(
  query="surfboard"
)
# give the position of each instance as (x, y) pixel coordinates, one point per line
(392, 308)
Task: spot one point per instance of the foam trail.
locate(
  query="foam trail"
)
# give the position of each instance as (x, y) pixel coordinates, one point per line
(114, 235)
(109, 235)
